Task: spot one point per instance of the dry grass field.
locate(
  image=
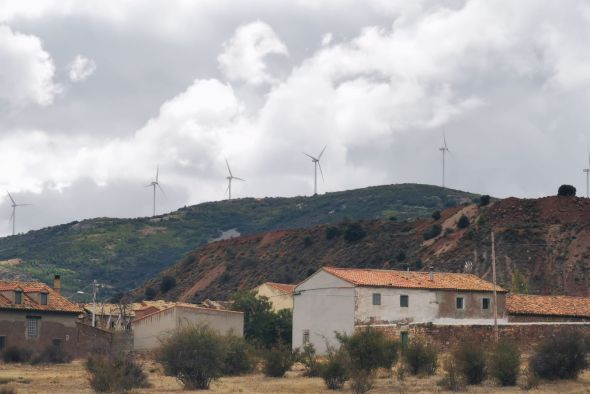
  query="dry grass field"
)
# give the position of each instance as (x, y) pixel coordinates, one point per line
(71, 379)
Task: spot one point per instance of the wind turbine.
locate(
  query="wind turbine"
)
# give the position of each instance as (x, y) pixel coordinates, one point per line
(13, 217)
(156, 184)
(316, 164)
(230, 178)
(444, 149)
(587, 171)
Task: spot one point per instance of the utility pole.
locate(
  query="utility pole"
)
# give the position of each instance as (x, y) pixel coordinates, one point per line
(496, 334)
(94, 291)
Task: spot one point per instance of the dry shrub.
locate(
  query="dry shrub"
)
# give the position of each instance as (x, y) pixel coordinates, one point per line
(563, 356)
(115, 374)
(334, 371)
(361, 380)
(52, 354)
(309, 359)
(505, 363)
(452, 379)
(15, 354)
(238, 356)
(421, 358)
(470, 360)
(278, 360)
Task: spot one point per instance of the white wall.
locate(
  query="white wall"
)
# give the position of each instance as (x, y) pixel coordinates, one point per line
(423, 305)
(223, 322)
(322, 304)
(150, 330)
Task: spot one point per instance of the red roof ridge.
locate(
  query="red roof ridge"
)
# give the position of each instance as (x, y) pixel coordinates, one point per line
(284, 287)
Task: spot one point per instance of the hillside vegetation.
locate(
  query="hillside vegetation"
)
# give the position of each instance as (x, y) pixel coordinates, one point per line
(123, 253)
(542, 246)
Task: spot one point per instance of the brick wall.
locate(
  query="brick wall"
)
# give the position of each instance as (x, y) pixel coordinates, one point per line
(525, 335)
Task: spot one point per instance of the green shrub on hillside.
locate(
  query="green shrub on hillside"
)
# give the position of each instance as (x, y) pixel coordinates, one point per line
(435, 215)
(433, 232)
(168, 282)
(566, 191)
(463, 222)
(354, 232)
(332, 232)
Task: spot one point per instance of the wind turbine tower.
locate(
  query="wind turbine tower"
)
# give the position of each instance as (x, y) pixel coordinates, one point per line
(13, 216)
(230, 178)
(155, 184)
(316, 164)
(444, 149)
(587, 171)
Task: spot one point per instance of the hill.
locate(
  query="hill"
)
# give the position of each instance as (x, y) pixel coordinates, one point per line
(123, 253)
(542, 246)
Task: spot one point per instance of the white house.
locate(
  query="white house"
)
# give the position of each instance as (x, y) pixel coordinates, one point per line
(340, 299)
(280, 295)
(149, 330)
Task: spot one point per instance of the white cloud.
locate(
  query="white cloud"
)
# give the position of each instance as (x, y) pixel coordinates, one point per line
(326, 39)
(26, 71)
(243, 55)
(81, 68)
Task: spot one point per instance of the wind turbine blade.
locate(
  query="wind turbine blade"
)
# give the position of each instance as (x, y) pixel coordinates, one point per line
(22, 205)
(310, 156)
(322, 152)
(229, 169)
(321, 172)
(226, 190)
(10, 196)
(150, 185)
(157, 172)
(162, 190)
(239, 179)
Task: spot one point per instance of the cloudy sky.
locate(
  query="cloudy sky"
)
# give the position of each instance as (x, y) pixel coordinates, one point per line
(94, 95)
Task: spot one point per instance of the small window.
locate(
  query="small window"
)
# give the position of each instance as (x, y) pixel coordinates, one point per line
(33, 326)
(2, 342)
(18, 297)
(305, 337)
(459, 302)
(376, 298)
(44, 298)
(404, 301)
(485, 303)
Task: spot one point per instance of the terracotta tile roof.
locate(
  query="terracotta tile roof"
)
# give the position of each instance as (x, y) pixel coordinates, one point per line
(285, 288)
(412, 280)
(55, 301)
(520, 304)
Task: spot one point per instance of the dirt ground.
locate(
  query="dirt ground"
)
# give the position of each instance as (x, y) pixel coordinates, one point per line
(71, 379)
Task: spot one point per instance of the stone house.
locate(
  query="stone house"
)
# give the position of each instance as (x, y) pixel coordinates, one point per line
(34, 315)
(547, 308)
(342, 299)
(280, 295)
(150, 329)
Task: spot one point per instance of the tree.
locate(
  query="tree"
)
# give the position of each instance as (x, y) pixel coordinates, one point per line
(484, 200)
(168, 282)
(263, 326)
(463, 222)
(150, 293)
(436, 215)
(433, 232)
(566, 191)
(354, 232)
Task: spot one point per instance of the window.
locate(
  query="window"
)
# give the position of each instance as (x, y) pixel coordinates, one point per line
(2, 343)
(376, 298)
(485, 303)
(44, 298)
(459, 302)
(18, 297)
(404, 301)
(33, 326)
(305, 337)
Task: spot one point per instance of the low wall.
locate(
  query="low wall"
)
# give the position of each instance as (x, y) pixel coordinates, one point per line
(93, 339)
(525, 335)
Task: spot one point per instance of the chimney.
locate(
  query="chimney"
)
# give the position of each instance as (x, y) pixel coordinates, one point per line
(57, 284)
(431, 272)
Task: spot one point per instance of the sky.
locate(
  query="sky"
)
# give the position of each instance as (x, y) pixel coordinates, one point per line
(95, 95)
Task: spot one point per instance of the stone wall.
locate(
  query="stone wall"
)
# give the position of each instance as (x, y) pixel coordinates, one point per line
(525, 335)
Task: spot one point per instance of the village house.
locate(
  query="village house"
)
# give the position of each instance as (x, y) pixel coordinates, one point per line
(150, 329)
(34, 316)
(547, 308)
(342, 299)
(280, 295)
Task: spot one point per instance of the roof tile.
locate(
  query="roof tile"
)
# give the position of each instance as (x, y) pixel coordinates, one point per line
(548, 305)
(55, 301)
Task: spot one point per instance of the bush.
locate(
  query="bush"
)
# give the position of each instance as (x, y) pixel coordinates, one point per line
(401, 256)
(361, 380)
(436, 215)
(238, 357)
(167, 283)
(309, 359)
(307, 242)
(150, 293)
(15, 354)
(566, 191)
(369, 349)
(115, 374)
(452, 379)
(463, 222)
(354, 232)
(470, 361)
(421, 358)
(505, 363)
(563, 356)
(278, 360)
(432, 232)
(55, 354)
(484, 200)
(334, 371)
(332, 232)
(194, 355)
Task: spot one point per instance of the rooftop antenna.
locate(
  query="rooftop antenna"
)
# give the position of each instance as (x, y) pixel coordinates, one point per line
(444, 149)
(316, 164)
(587, 171)
(230, 178)
(13, 216)
(155, 184)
